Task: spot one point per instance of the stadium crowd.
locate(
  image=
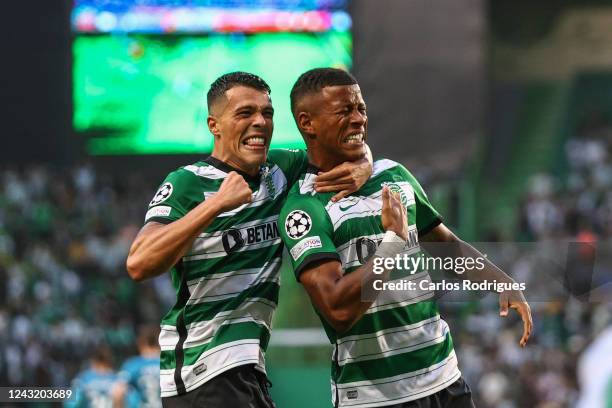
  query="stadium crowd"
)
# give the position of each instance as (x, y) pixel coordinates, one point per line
(64, 237)
(572, 206)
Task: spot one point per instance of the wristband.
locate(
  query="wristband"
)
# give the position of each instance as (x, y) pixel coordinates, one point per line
(391, 245)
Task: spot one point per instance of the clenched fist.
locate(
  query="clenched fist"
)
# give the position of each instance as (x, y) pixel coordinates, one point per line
(234, 192)
(394, 216)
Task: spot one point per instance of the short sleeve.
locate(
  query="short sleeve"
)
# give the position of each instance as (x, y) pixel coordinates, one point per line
(78, 398)
(124, 375)
(292, 162)
(174, 198)
(307, 232)
(427, 217)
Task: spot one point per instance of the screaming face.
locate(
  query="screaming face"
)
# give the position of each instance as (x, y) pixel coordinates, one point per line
(242, 125)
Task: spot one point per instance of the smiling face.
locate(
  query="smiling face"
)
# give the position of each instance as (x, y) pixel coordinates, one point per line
(335, 123)
(242, 125)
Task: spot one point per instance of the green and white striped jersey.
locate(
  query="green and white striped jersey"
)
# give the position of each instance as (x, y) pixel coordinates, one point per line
(227, 284)
(400, 350)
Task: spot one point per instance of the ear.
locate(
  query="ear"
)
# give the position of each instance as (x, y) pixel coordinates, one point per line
(305, 124)
(213, 126)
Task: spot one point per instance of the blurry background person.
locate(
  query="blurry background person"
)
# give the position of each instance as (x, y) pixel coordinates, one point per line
(138, 384)
(595, 372)
(93, 387)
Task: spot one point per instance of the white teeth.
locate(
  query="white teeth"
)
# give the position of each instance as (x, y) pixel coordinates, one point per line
(255, 141)
(353, 139)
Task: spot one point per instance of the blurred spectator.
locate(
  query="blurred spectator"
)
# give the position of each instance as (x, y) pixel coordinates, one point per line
(64, 237)
(92, 388)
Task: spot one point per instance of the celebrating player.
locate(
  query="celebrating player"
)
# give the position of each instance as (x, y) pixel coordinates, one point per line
(214, 225)
(395, 350)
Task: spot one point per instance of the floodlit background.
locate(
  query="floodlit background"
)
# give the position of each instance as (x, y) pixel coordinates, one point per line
(503, 110)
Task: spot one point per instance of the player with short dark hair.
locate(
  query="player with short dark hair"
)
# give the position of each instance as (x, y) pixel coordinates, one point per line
(138, 384)
(315, 80)
(226, 82)
(93, 386)
(213, 224)
(393, 349)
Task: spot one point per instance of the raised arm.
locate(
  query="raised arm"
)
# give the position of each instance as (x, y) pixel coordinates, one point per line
(158, 247)
(338, 297)
(453, 246)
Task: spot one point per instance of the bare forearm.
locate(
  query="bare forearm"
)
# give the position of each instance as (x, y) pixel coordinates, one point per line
(352, 294)
(490, 270)
(155, 252)
(454, 247)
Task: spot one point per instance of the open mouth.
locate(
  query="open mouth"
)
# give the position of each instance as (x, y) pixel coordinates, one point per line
(255, 142)
(354, 139)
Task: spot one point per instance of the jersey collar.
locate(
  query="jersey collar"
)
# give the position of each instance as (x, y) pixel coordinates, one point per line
(312, 169)
(223, 166)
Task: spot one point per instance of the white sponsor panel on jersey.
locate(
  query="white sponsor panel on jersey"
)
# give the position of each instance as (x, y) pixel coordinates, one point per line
(161, 211)
(304, 245)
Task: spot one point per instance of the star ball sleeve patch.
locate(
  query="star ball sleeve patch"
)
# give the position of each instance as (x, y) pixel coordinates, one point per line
(297, 224)
(307, 232)
(176, 196)
(164, 192)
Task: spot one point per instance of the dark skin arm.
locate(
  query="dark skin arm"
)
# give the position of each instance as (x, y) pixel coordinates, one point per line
(338, 297)
(459, 248)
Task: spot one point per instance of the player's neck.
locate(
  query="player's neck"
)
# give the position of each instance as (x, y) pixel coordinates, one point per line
(149, 352)
(323, 161)
(252, 171)
(101, 368)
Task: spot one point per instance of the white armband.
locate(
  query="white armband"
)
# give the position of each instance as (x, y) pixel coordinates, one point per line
(391, 245)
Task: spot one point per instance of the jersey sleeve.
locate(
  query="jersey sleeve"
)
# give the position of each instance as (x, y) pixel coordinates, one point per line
(427, 217)
(292, 162)
(124, 375)
(307, 231)
(77, 400)
(174, 198)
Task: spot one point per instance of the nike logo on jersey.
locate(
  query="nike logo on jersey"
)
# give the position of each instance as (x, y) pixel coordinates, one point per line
(348, 203)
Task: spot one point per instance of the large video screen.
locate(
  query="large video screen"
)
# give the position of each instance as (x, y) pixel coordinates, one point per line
(140, 83)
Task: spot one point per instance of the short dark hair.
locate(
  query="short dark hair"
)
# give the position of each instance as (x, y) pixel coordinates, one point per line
(317, 79)
(148, 335)
(102, 354)
(227, 81)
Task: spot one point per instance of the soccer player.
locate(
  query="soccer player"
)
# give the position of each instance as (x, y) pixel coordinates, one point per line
(393, 350)
(138, 384)
(92, 388)
(213, 224)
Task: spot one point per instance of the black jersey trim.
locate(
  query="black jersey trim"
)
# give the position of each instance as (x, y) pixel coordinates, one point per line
(313, 258)
(221, 165)
(160, 220)
(430, 227)
(312, 169)
(181, 328)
